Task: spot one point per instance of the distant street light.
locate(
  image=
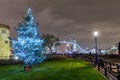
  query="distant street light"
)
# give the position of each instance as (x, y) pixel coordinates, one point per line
(68, 47)
(96, 49)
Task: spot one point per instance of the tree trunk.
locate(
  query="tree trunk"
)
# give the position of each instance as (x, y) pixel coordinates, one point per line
(51, 50)
(27, 67)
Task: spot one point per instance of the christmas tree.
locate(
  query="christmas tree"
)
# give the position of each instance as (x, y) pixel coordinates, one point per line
(28, 46)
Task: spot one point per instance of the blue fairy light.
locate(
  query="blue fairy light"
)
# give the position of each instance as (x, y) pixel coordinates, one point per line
(28, 45)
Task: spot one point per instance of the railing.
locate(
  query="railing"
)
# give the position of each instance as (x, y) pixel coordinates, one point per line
(109, 69)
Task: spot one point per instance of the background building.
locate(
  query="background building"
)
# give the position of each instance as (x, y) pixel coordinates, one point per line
(4, 41)
(113, 49)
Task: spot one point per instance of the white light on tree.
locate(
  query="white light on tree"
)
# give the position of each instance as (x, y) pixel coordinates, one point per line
(16, 58)
(28, 45)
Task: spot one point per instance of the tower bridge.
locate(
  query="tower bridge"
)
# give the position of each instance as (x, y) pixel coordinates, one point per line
(73, 48)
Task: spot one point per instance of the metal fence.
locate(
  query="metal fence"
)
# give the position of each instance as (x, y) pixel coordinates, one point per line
(110, 70)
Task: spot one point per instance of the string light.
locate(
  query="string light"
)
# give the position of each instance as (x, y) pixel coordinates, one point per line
(28, 46)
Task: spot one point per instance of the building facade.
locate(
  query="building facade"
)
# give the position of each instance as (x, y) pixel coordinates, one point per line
(112, 49)
(4, 42)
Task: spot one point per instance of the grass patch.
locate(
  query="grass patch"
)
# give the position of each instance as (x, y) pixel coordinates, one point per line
(52, 70)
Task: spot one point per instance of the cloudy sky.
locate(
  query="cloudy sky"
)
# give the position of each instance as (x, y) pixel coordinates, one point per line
(68, 18)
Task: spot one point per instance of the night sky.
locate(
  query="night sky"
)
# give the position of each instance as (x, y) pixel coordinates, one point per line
(68, 18)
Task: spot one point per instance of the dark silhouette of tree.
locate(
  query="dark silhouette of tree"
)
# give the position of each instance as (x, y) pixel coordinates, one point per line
(49, 41)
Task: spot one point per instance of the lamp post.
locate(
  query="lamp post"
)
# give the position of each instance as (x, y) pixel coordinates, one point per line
(96, 52)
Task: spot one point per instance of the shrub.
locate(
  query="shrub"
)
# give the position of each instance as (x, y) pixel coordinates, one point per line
(56, 57)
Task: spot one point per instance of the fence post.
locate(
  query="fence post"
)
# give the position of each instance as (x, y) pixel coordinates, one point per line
(99, 64)
(110, 68)
(105, 69)
(118, 76)
(118, 66)
(98, 67)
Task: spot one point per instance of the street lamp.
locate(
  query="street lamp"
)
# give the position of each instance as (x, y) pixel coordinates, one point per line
(96, 49)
